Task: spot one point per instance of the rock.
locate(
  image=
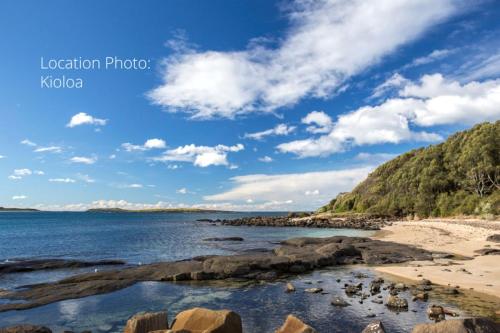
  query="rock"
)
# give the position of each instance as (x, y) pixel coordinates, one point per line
(494, 238)
(26, 328)
(377, 301)
(400, 286)
(436, 312)
(207, 321)
(469, 325)
(146, 322)
(351, 289)
(314, 290)
(295, 325)
(451, 291)
(396, 302)
(374, 327)
(420, 296)
(488, 252)
(290, 287)
(21, 266)
(339, 301)
(425, 282)
(224, 239)
(375, 286)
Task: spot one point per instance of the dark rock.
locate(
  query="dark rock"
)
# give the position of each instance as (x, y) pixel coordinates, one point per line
(22, 265)
(396, 302)
(26, 328)
(488, 252)
(469, 325)
(494, 238)
(339, 301)
(224, 239)
(374, 327)
(421, 296)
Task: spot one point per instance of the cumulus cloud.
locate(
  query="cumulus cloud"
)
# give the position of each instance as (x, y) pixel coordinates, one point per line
(266, 159)
(19, 197)
(83, 160)
(320, 187)
(319, 52)
(85, 119)
(432, 101)
(201, 156)
(148, 145)
(395, 81)
(280, 129)
(319, 122)
(62, 180)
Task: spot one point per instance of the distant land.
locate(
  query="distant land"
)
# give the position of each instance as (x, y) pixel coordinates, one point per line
(460, 176)
(6, 209)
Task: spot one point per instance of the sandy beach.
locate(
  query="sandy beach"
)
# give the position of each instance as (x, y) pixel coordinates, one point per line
(460, 237)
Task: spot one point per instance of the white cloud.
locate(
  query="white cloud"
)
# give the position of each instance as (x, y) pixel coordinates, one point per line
(49, 149)
(266, 159)
(134, 186)
(280, 129)
(62, 180)
(320, 122)
(431, 57)
(112, 156)
(19, 197)
(201, 156)
(395, 81)
(20, 173)
(83, 160)
(39, 172)
(28, 143)
(320, 51)
(85, 178)
(148, 145)
(85, 119)
(320, 187)
(182, 191)
(173, 166)
(2, 156)
(430, 102)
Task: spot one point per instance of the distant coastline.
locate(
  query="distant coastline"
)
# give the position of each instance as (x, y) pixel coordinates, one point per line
(153, 210)
(7, 209)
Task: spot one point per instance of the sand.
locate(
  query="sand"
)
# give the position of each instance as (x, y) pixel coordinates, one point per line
(460, 237)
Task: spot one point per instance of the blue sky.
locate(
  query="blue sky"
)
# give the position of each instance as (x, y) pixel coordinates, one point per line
(247, 105)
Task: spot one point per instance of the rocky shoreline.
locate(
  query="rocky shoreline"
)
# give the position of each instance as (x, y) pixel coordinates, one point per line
(309, 221)
(290, 258)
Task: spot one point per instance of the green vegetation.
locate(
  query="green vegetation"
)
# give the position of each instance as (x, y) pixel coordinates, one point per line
(460, 176)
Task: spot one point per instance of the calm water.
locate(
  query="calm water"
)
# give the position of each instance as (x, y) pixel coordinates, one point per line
(143, 238)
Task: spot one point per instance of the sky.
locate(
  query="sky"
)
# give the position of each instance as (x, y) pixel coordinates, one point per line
(250, 105)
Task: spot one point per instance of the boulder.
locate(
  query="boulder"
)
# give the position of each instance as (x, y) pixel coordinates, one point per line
(374, 327)
(147, 322)
(314, 290)
(339, 301)
(207, 321)
(396, 302)
(295, 325)
(469, 325)
(25, 329)
(290, 287)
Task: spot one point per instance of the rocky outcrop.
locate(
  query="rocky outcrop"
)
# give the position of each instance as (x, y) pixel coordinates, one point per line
(207, 321)
(224, 239)
(295, 325)
(291, 257)
(25, 329)
(374, 327)
(354, 222)
(22, 265)
(470, 325)
(147, 322)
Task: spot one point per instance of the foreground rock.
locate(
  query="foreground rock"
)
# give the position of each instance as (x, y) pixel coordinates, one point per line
(20, 266)
(352, 222)
(470, 325)
(291, 257)
(374, 327)
(25, 329)
(207, 321)
(147, 322)
(295, 325)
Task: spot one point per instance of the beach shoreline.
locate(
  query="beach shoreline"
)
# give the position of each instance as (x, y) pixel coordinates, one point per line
(469, 270)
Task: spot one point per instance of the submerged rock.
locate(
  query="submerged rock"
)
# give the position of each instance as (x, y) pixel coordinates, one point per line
(26, 328)
(339, 301)
(147, 322)
(295, 325)
(374, 327)
(469, 325)
(207, 321)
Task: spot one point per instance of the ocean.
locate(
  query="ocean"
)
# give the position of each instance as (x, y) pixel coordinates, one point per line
(139, 238)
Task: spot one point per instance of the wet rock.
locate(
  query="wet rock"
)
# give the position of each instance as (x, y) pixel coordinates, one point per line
(339, 301)
(224, 239)
(295, 325)
(147, 322)
(494, 238)
(377, 301)
(21, 266)
(395, 302)
(314, 290)
(290, 287)
(351, 289)
(469, 325)
(26, 328)
(400, 286)
(207, 321)
(420, 297)
(451, 291)
(374, 327)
